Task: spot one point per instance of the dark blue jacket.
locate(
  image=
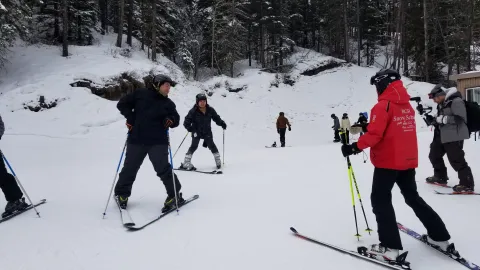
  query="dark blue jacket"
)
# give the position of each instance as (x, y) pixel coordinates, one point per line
(200, 123)
(146, 110)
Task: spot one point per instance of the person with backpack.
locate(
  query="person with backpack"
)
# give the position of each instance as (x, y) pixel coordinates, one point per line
(149, 113)
(450, 132)
(198, 122)
(336, 128)
(392, 139)
(8, 184)
(361, 122)
(282, 123)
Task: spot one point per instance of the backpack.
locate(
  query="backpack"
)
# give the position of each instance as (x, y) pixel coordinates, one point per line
(365, 114)
(473, 116)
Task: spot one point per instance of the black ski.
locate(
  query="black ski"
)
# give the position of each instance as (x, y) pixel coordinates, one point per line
(455, 193)
(137, 228)
(127, 220)
(14, 214)
(361, 253)
(451, 252)
(205, 172)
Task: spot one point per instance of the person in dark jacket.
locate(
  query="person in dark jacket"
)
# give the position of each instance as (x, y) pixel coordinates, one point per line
(149, 113)
(282, 123)
(9, 186)
(361, 122)
(449, 134)
(198, 122)
(336, 128)
(392, 139)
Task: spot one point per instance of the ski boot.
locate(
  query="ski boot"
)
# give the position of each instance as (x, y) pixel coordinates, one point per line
(437, 180)
(274, 144)
(443, 246)
(218, 161)
(122, 201)
(187, 163)
(171, 204)
(384, 254)
(459, 189)
(14, 206)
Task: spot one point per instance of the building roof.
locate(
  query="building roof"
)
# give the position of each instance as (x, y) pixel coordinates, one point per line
(466, 75)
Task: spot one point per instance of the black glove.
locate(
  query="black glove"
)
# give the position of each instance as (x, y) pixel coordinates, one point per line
(350, 149)
(205, 143)
(430, 120)
(289, 128)
(224, 125)
(167, 122)
(278, 130)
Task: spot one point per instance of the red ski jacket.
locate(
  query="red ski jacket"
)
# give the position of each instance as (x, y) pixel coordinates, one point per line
(392, 132)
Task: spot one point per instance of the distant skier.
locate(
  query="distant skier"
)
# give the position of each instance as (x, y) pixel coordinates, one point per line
(361, 122)
(9, 186)
(149, 113)
(336, 128)
(392, 137)
(282, 123)
(345, 125)
(198, 122)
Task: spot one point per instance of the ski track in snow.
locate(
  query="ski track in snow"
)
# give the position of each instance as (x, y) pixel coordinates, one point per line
(69, 155)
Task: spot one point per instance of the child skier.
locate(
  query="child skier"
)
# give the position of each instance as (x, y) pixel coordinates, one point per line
(345, 126)
(198, 122)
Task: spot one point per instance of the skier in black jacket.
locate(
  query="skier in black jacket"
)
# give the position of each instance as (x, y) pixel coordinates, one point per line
(149, 113)
(198, 122)
(9, 186)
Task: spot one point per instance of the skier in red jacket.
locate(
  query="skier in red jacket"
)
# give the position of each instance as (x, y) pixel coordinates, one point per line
(392, 137)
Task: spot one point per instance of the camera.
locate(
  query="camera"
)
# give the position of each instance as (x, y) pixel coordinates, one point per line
(424, 111)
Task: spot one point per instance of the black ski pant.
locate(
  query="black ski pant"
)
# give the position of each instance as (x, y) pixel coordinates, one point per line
(8, 184)
(207, 142)
(381, 197)
(456, 157)
(136, 153)
(282, 132)
(336, 134)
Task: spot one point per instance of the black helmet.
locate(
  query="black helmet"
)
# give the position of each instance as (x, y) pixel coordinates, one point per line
(281, 113)
(383, 78)
(333, 115)
(158, 80)
(360, 114)
(201, 96)
(437, 91)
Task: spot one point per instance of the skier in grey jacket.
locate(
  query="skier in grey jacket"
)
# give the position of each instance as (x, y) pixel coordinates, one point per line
(450, 132)
(9, 186)
(336, 128)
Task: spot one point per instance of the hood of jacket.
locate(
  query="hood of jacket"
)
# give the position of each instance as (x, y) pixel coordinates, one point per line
(395, 92)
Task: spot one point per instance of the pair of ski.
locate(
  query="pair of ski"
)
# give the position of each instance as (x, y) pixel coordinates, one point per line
(219, 171)
(16, 213)
(128, 222)
(400, 263)
(451, 192)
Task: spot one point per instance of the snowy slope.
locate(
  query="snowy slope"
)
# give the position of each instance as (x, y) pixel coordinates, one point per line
(69, 154)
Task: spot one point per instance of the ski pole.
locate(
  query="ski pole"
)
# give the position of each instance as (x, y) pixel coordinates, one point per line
(19, 183)
(344, 142)
(224, 148)
(359, 198)
(173, 172)
(181, 144)
(115, 178)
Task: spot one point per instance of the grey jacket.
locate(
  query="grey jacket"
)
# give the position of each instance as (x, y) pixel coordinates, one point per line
(454, 108)
(336, 123)
(2, 127)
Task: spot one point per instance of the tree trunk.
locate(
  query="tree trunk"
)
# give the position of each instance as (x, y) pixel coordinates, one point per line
(144, 32)
(56, 33)
(470, 35)
(359, 38)
(425, 26)
(130, 22)
(120, 23)
(214, 18)
(396, 52)
(404, 40)
(345, 17)
(65, 28)
(249, 44)
(154, 30)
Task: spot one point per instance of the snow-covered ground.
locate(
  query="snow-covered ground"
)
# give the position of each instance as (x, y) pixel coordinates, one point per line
(69, 154)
